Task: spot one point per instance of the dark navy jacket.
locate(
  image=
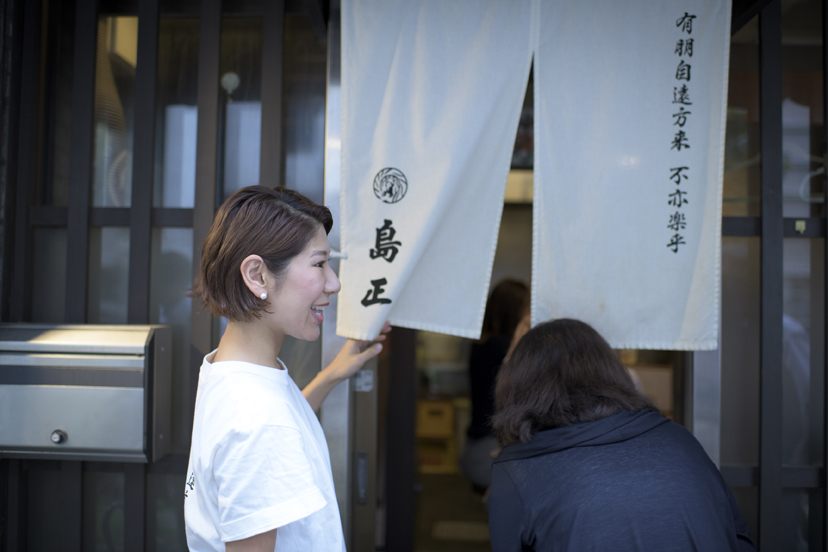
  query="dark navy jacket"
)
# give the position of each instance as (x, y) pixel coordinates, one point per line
(484, 362)
(631, 481)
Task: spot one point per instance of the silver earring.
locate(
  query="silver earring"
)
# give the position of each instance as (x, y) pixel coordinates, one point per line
(263, 295)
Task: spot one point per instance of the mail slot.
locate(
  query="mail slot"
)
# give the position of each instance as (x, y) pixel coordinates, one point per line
(85, 392)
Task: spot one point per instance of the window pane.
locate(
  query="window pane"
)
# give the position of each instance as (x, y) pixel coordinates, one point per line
(742, 188)
(172, 250)
(108, 275)
(176, 113)
(49, 297)
(241, 83)
(114, 111)
(303, 108)
(740, 352)
(170, 279)
(803, 181)
(796, 504)
(739, 438)
(802, 345)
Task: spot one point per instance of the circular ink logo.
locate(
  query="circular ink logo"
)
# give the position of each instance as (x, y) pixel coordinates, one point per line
(390, 185)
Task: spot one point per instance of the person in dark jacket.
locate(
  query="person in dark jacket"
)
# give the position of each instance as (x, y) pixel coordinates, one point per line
(588, 462)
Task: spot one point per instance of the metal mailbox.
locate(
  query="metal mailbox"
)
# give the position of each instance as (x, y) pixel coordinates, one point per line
(85, 392)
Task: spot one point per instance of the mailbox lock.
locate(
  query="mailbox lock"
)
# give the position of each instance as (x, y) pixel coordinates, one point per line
(59, 436)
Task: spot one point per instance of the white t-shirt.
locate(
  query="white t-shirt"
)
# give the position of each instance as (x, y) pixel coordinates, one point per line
(258, 461)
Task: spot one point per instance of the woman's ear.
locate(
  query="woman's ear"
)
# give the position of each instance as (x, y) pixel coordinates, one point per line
(256, 276)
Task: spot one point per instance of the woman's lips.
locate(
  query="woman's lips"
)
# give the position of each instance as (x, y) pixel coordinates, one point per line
(318, 315)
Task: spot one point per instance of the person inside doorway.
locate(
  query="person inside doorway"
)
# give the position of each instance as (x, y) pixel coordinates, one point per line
(507, 305)
(589, 463)
(259, 474)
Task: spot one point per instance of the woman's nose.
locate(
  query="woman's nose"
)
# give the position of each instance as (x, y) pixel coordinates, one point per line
(332, 285)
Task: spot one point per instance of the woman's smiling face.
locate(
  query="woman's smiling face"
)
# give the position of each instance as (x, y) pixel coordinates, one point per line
(297, 302)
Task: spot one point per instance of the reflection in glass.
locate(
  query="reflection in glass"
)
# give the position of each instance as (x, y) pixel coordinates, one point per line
(799, 174)
(303, 108)
(242, 145)
(740, 351)
(241, 79)
(795, 519)
(49, 299)
(114, 111)
(176, 113)
(108, 275)
(802, 344)
(170, 279)
(742, 187)
(103, 511)
(803, 189)
(803, 180)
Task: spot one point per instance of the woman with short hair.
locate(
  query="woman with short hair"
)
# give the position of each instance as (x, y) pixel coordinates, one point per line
(589, 463)
(259, 475)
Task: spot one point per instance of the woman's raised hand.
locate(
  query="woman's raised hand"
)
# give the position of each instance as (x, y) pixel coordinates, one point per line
(351, 358)
(354, 354)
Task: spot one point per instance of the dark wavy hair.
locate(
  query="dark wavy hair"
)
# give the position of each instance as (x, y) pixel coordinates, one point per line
(507, 304)
(274, 223)
(561, 373)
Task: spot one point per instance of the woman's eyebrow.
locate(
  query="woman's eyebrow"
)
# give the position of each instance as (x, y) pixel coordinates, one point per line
(323, 252)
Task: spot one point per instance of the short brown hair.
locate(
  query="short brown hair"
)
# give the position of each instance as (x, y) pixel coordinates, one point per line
(561, 373)
(274, 223)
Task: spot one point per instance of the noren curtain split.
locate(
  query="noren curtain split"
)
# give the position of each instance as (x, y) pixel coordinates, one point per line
(629, 111)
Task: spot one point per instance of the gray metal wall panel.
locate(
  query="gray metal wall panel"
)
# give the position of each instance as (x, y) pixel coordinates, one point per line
(29, 414)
